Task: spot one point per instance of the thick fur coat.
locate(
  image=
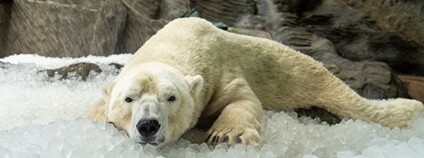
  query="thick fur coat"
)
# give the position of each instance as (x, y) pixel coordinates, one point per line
(231, 78)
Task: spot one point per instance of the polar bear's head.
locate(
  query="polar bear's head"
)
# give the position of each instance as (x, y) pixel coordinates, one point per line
(154, 103)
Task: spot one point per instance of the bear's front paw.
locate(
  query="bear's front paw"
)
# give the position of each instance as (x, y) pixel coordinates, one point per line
(231, 136)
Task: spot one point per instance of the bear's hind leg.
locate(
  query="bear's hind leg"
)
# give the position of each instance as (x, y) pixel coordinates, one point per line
(341, 100)
(397, 112)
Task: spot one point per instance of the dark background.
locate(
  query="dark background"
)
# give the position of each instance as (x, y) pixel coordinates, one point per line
(368, 44)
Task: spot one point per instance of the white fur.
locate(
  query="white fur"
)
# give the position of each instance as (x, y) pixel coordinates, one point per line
(230, 78)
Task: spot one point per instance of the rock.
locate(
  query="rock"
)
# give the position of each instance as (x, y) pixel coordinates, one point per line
(373, 80)
(117, 66)
(250, 32)
(405, 16)
(64, 28)
(68, 28)
(145, 17)
(4, 65)
(81, 70)
(415, 86)
(406, 57)
(109, 24)
(296, 6)
(4, 21)
(322, 114)
(354, 34)
(358, 35)
(225, 11)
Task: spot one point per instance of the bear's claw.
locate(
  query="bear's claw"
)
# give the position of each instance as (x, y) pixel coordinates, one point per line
(233, 136)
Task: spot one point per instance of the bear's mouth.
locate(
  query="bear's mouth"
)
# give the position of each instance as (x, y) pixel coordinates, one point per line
(156, 140)
(154, 144)
(118, 128)
(149, 140)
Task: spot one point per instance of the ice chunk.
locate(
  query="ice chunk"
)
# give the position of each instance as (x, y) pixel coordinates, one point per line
(43, 117)
(2, 75)
(345, 154)
(83, 140)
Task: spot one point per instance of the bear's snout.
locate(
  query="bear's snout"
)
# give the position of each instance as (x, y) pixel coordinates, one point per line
(148, 128)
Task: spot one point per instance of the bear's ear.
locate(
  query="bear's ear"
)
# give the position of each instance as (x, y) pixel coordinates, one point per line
(107, 88)
(99, 110)
(195, 83)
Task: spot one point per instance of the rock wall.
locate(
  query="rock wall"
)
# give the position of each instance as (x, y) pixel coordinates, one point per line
(356, 40)
(365, 43)
(58, 28)
(4, 21)
(72, 28)
(404, 16)
(144, 18)
(381, 30)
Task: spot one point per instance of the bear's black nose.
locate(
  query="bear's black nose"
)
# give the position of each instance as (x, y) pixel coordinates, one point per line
(148, 128)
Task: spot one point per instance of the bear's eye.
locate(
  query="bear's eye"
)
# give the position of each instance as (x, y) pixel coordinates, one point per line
(172, 98)
(128, 100)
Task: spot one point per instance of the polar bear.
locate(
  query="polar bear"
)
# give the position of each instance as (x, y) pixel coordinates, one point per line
(191, 71)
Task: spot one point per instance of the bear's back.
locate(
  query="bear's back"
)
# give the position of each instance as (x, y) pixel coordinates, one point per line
(196, 47)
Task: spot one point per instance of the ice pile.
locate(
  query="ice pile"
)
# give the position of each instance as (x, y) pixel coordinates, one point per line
(77, 138)
(43, 117)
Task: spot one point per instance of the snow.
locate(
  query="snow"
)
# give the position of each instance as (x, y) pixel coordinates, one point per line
(46, 117)
(49, 63)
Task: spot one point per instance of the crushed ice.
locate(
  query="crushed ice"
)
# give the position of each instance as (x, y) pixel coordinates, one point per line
(41, 117)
